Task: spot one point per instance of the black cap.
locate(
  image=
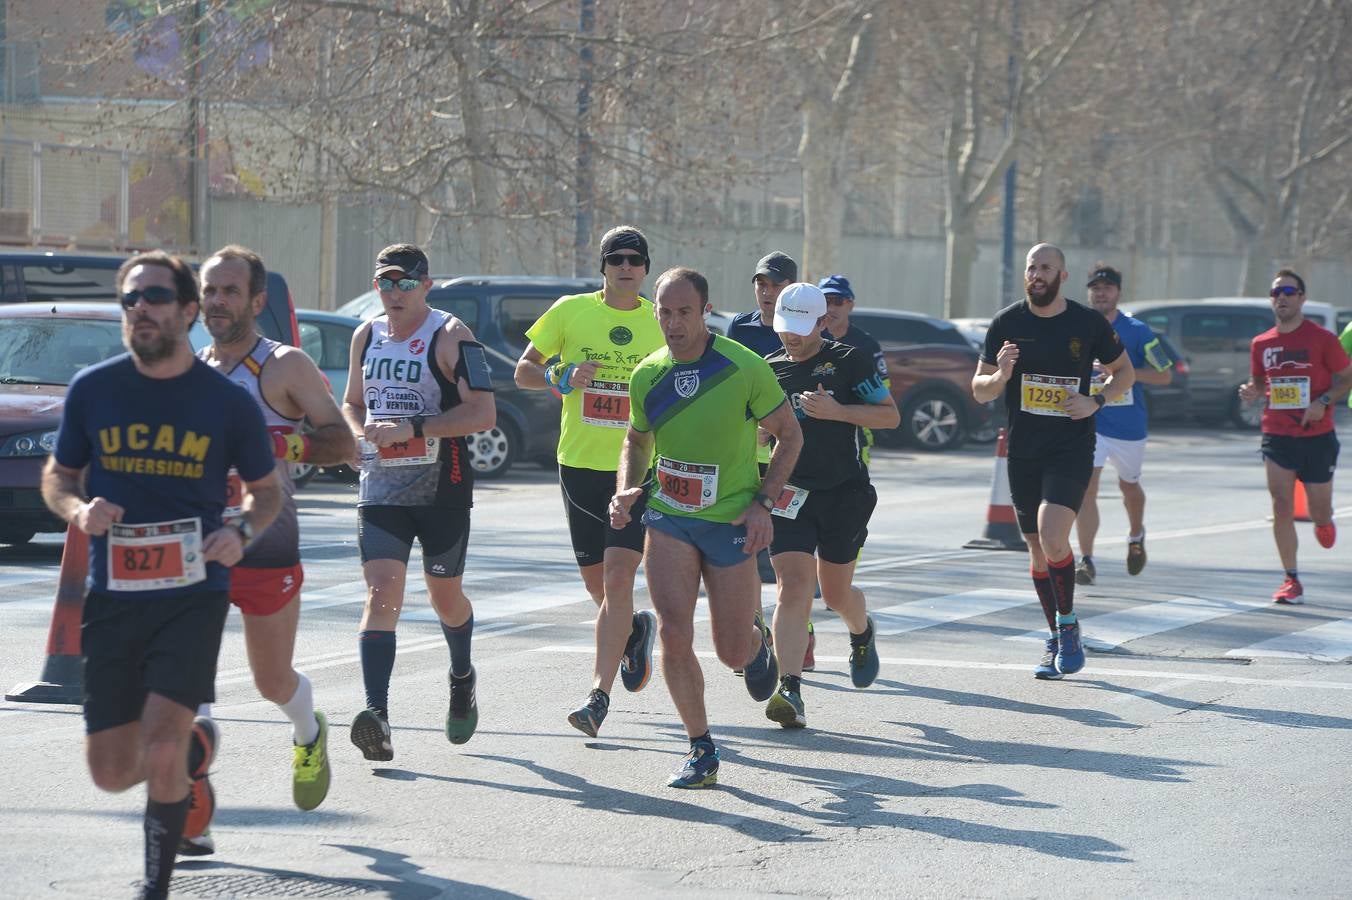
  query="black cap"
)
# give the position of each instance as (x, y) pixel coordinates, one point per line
(778, 266)
(625, 237)
(1105, 273)
(404, 258)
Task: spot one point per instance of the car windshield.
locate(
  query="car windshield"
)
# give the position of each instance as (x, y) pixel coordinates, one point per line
(52, 351)
(363, 306)
(62, 281)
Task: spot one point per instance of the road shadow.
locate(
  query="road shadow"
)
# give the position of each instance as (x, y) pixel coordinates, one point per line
(1282, 717)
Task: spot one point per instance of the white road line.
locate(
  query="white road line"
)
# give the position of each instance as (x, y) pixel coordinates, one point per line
(1112, 630)
(932, 611)
(1330, 642)
(1089, 671)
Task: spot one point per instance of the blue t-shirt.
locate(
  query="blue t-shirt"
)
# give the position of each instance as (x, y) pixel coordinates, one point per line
(748, 330)
(161, 449)
(1128, 423)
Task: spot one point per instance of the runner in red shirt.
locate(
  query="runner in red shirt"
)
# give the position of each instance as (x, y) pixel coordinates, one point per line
(1302, 370)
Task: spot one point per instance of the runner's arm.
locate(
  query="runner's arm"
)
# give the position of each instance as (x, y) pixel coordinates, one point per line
(330, 440)
(1121, 376)
(879, 413)
(61, 490)
(477, 410)
(635, 459)
(262, 502)
(533, 375)
(354, 400)
(788, 444)
(530, 370)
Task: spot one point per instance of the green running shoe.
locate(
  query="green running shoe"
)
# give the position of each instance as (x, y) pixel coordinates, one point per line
(786, 707)
(700, 769)
(463, 716)
(310, 769)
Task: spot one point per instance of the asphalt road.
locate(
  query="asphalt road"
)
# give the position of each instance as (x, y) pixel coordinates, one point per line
(1203, 751)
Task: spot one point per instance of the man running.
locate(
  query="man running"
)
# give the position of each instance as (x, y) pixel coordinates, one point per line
(835, 392)
(265, 585)
(598, 339)
(1121, 426)
(1302, 370)
(696, 404)
(155, 434)
(1040, 352)
(417, 383)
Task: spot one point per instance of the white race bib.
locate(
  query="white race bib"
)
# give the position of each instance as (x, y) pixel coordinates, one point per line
(1289, 392)
(606, 403)
(1042, 395)
(1096, 388)
(688, 487)
(413, 452)
(155, 555)
(234, 495)
(790, 501)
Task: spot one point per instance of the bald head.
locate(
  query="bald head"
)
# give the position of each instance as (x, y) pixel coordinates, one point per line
(1043, 274)
(1051, 249)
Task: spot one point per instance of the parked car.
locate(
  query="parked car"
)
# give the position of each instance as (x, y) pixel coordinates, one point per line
(46, 276)
(973, 329)
(1214, 336)
(527, 427)
(42, 347)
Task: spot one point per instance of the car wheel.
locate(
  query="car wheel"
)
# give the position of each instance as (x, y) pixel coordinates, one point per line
(491, 452)
(301, 473)
(1247, 416)
(16, 535)
(932, 421)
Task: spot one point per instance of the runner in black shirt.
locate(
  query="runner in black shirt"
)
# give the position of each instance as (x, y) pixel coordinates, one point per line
(1040, 352)
(835, 391)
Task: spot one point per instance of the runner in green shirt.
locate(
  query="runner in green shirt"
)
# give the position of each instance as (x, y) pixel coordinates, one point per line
(696, 404)
(598, 338)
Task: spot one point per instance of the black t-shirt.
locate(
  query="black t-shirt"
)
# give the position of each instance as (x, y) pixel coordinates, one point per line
(832, 451)
(1055, 355)
(858, 337)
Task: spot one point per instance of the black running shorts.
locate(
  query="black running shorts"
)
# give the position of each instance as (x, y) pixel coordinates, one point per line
(586, 501)
(388, 532)
(833, 523)
(133, 648)
(1061, 478)
(1313, 459)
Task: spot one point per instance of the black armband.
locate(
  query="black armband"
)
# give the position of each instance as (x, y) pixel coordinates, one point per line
(472, 368)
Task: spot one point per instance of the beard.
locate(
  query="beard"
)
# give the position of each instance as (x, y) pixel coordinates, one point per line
(151, 348)
(1043, 297)
(229, 331)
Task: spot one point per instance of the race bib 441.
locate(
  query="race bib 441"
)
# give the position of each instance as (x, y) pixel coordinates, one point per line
(606, 403)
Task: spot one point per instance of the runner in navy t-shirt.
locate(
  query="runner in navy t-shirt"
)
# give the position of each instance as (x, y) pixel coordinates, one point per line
(156, 431)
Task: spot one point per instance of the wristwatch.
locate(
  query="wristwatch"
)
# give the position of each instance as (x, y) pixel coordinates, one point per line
(245, 529)
(764, 501)
(417, 423)
(1100, 400)
(1326, 399)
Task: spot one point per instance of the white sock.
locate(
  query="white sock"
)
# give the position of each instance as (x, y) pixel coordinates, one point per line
(204, 710)
(300, 709)
(1136, 537)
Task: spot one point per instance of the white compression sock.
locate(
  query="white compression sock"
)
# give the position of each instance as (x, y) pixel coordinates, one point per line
(300, 709)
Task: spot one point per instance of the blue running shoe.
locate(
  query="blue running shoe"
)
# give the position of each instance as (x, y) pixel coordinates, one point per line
(699, 770)
(636, 666)
(762, 673)
(1046, 670)
(588, 717)
(864, 661)
(786, 706)
(1070, 653)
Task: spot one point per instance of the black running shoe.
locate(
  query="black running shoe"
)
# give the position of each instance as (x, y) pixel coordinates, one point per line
(762, 673)
(463, 716)
(588, 717)
(636, 666)
(371, 735)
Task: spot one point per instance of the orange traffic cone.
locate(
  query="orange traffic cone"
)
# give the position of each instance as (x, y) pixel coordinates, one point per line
(1302, 505)
(63, 673)
(1002, 527)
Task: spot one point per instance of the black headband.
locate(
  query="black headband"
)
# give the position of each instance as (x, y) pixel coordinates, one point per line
(625, 240)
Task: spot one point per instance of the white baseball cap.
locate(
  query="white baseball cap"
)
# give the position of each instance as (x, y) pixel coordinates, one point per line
(798, 308)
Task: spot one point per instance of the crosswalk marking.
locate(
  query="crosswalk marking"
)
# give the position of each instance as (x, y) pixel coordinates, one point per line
(1112, 630)
(931, 611)
(1330, 642)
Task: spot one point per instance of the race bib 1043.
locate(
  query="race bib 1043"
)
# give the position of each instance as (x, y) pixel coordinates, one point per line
(155, 555)
(1289, 392)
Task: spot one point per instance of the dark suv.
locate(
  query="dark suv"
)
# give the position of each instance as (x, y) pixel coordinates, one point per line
(51, 276)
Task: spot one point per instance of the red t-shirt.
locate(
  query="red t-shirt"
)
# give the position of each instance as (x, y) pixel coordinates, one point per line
(1299, 367)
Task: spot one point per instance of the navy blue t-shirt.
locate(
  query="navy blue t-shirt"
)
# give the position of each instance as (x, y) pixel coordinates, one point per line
(748, 330)
(161, 448)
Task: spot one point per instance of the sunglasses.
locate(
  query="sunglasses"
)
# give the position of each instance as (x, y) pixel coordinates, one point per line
(404, 284)
(836, 299)
(1285, 290)
(154, 295)
(624, 259)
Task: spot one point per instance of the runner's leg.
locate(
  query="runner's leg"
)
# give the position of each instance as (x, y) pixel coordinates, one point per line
(615, 618)
(673, 572)
(795, 574)
(1282, 486)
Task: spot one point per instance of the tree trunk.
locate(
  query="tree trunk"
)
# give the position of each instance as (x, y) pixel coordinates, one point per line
(960, 255)
(820, 154)
(483, 178)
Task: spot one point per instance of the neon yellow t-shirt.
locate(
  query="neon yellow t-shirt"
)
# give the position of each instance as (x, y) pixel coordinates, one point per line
(582, 328)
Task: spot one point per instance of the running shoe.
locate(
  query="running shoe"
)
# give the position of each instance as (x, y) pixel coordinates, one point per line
(463, 716)
(1085, 573)
(1326, 535)
(371, 735)
(760, 623)
(636, 666)
(202, 845)
(1069, 651)
(1136, 556)
(699, 770)
(203, 741)
(1290, 593)
(810, 658)
(786, 706)
(762, 673)
(864, 661)
(588, 717)
(1046, 670)
(310, 768)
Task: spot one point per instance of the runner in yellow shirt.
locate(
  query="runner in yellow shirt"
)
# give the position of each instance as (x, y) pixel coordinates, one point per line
(598, 338)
